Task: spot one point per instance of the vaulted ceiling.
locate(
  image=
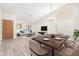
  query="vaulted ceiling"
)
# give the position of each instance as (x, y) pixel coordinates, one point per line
(29, 12)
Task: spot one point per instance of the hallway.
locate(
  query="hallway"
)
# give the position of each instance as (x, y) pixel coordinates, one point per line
(15, 47)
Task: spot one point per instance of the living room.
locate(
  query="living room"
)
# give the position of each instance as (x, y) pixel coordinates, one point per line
(40, 19)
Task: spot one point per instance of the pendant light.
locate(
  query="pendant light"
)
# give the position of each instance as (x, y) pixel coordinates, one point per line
(52, 18)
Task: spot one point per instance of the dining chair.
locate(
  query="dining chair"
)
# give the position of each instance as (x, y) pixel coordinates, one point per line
(70, 50)
(36, 49)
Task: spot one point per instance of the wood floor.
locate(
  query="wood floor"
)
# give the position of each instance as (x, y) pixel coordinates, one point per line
(15, 47)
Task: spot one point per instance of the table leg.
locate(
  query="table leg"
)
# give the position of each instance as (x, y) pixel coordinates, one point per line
(51, 52)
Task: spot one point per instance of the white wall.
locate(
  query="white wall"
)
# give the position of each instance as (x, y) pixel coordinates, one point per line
(46, 22)
(10, 17)
(76, 20)
(0, 25)
(56, 26)
(64, 22)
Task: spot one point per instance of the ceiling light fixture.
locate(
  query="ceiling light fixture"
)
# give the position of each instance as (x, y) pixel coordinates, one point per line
(51, 8)
(51, 15)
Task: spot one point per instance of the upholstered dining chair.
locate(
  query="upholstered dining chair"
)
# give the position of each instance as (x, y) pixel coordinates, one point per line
(71, 49)
(36, 49)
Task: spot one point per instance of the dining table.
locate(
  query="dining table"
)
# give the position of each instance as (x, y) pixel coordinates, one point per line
(53, 43)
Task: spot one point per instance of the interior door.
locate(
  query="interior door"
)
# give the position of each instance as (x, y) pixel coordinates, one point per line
(7, 29)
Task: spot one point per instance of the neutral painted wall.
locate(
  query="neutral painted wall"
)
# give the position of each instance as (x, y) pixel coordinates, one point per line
(60, 23)
(0, 25)
(76, 20)
(46, 22)
(66, 20)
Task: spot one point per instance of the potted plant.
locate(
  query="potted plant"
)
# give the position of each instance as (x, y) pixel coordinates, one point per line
(76, 34)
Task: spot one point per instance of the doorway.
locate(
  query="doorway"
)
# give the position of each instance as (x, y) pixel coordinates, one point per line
(7, 29)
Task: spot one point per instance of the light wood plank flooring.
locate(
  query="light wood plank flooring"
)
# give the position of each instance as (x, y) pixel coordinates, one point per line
(15, 47)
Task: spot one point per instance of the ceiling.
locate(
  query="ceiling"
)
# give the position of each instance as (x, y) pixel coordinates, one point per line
(29, 12)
